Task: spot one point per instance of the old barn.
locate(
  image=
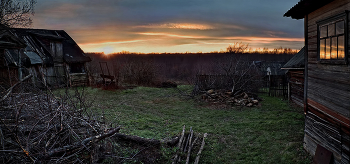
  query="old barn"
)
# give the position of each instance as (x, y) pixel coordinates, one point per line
(51, 56)
(327, 78)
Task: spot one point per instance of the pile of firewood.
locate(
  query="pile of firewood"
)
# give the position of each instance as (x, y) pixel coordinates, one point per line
(230, 98)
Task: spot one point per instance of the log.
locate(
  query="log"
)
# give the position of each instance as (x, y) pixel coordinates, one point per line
(188, 139)
(189, 147)
(145, 141)
(179, 144)
(77, 145)
(201, 149)
(195, 140)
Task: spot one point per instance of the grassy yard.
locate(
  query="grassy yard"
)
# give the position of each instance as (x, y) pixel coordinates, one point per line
(270, 133)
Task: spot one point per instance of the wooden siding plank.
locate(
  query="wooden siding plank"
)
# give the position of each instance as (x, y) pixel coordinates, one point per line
(331, 9)
(332, 76)
(325, 133)
(330, 85)
(312, 27)
(334, 104)
(329, 113)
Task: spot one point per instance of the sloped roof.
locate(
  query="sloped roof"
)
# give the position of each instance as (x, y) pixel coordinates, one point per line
(72, 53)
(305, 7)
(9, 40)
(297, 61)
(37, 38)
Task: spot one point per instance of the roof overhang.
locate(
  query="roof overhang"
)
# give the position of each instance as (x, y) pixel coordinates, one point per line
(305, 7)
(293, 68)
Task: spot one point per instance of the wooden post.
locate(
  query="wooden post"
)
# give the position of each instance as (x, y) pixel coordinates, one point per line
(288, 91)
(306, 62)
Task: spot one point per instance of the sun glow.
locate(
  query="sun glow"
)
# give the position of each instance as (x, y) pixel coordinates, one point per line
(159, 42)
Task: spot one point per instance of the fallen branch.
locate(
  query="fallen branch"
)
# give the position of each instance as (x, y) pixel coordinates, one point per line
(201, 149)
(180, 144)
(85, 142)
(145, 141)
(9, 91)
(189, 147)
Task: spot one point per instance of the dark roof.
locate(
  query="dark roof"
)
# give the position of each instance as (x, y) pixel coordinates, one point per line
(38, 38)
(297, 61)
(72, 53)
(9, 40)
(305, 7)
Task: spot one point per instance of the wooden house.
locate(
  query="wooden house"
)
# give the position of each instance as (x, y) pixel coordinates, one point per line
(54, 58)
(295, 75)
(327, 78)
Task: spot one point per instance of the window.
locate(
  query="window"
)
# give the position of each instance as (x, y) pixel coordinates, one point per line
(77, 68)
(332, 38)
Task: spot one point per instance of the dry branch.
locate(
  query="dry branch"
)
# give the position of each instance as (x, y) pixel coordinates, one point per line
(179, 144)
(78, 145)
(189, 146)
(8, 92)
(201, 149)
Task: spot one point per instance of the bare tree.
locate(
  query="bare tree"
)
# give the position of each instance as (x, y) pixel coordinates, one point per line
(243, 75)
(16, 13)
(237, 47)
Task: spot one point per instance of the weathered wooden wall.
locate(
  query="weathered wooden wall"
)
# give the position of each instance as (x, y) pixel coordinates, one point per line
(328, 93)
(296, 86)
(79, 79)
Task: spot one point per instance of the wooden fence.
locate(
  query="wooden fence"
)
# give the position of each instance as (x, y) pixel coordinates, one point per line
(277, 86)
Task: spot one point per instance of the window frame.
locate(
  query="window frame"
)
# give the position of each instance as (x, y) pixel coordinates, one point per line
(333, 19)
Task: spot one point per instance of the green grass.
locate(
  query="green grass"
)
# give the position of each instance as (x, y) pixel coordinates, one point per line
(271, 133)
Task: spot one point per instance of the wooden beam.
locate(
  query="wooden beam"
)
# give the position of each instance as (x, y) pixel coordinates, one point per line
(345, 121)
(306, 62)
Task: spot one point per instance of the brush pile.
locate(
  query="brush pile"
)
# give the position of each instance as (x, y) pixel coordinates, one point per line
(44, 127)
(227, 97)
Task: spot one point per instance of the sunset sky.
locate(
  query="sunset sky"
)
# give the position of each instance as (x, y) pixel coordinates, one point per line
(171, 25)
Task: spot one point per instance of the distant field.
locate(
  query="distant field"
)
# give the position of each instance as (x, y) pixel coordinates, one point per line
(271, 133)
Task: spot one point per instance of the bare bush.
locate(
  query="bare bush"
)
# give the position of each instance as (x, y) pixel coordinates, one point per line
(40, 126)
(135, 69)
(233, 74)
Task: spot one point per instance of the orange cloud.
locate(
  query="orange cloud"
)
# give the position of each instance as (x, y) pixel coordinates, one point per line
(171, 35)
(265, 39)
(190, 26)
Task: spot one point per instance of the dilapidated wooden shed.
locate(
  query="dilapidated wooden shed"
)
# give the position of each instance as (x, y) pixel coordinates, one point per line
(295, 75)
(53, 57)
(327, 77)
(10, 59)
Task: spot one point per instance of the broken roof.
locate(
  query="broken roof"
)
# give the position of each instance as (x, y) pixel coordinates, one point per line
(39, 40)
(297, 61)
(9, 40)
(305, 7)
